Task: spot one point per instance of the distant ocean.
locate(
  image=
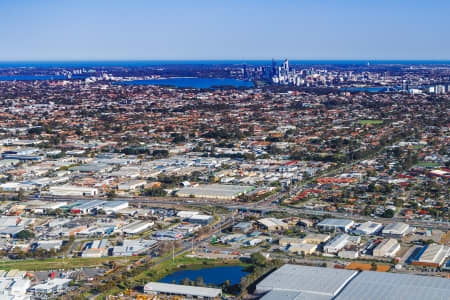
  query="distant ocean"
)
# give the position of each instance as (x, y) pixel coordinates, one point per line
(76, 64)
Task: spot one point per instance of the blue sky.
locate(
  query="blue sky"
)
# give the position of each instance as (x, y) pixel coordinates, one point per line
(224, 29)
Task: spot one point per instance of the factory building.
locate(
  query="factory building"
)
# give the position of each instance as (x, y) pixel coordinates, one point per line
(304, 248)
(96, 248)
(369, 285)
(49, 245)
(40, 207)
(273, 224)
(87, 207)
(200, 219)
(434, 255)
(304, 282)
(92, 168)
(22, 154)
(131, 185)
(52, 286)
(337, 243)
(110, 207)
(137, 227)
(168, 235)
(316, 238)
(186, 214)
(297, 246)
(215, 191)
(335, 225)
(395, 230)
(72, 190)
(242, 227)
(16, 186)
(133, 247)
(295, 282)
(285, 242)
(348, 254)
(7, 232)
(182, 291)
(14, 288)
(368, 228)
(387, 248)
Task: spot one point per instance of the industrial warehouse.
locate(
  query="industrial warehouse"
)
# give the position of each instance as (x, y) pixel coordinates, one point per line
(303, 282)
(187, 292)
(215, 191)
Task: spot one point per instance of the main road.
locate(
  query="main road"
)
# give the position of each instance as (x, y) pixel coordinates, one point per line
(257, 208)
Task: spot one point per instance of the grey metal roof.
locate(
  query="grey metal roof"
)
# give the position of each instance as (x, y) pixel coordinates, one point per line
(275, 295)
(387, 286)
(90, 167)
(243, 225)
(216, 190)
(182, 289)
(287, 295)
(90, 204)
(11, 229)
(305, 279)
(395, 228)
(292, 282)
(338, 240)
(113, 204)
(335, 222)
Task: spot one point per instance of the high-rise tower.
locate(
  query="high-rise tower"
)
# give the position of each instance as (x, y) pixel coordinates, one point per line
(274, 67)
(285, 67)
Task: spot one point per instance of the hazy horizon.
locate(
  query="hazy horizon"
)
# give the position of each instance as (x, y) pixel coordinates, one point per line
(362, 60)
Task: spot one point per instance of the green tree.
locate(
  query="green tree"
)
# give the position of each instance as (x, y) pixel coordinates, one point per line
(155, 192)
(258, 259)
(111, 194)
(199, 281)
(25, 234)
(373, 267)
(226, 285)
(388, 213)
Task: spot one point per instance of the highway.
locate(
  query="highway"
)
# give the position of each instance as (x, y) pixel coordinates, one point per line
(259, 207)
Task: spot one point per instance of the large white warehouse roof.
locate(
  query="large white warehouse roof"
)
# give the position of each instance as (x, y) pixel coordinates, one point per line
(304, 279)
(293, 282)
(387, 286)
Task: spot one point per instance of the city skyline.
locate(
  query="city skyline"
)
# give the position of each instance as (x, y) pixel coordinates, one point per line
(173, 30)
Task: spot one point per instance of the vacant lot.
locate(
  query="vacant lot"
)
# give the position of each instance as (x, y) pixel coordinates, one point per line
(60, 263)
(371, 122)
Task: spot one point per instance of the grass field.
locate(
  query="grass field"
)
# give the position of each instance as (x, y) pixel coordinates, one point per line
(370, 122)
(427, 164)
(60, 263)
